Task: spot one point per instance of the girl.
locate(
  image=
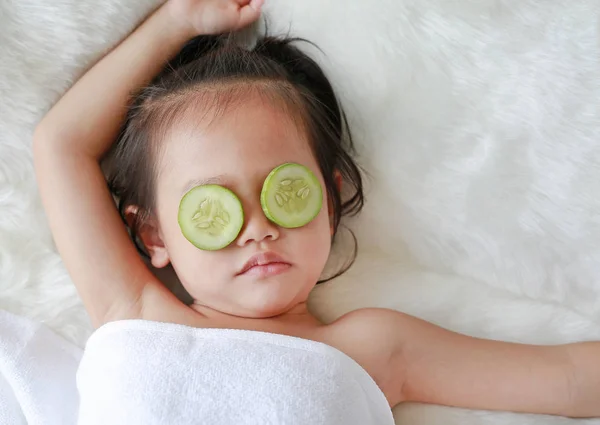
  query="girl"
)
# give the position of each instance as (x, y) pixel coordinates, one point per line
(229, 167)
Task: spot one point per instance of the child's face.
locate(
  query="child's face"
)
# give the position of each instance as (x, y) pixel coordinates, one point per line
(237, 150)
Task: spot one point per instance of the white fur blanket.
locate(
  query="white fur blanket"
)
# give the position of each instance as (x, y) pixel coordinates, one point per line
(478, 121)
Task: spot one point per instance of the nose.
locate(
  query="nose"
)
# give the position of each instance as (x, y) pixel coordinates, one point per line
(257, 227)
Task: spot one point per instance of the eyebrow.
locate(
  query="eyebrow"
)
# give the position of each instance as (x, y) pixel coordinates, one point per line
(201, 182)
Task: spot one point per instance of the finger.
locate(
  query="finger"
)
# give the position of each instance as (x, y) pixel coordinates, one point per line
(254, 3)
(250, 13)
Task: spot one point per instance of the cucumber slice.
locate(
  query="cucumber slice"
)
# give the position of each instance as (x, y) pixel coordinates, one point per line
(210, 217)
(291, 196)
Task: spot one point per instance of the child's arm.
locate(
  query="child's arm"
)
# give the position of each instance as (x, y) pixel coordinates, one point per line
(80, 128)
(443, 367)
(420, 362)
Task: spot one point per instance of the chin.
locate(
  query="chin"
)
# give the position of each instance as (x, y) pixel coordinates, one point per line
(269, 305)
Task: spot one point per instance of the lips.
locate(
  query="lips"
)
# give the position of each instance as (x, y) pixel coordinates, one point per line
(264, 264)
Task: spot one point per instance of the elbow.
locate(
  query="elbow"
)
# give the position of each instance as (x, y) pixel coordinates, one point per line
(48, 152)
(42, 140)
(41, 152)
(51, 135)
(39, 143)
(46, 133)
(49, 142)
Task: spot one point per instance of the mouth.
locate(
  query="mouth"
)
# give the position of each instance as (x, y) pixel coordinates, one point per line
(264, 264)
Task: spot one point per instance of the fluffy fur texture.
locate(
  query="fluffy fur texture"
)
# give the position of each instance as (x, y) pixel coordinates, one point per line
(478, 122)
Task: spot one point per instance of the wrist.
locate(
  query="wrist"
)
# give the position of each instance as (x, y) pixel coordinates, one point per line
(171, 23)
(583, 377)
(173, 11)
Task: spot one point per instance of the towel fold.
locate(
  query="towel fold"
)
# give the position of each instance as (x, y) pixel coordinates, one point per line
(37, 374)
(141, 372)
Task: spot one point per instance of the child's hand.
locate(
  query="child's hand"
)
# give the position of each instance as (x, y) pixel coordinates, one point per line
(215, 16)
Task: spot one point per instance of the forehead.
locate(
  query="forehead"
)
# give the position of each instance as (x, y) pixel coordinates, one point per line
(243, 141)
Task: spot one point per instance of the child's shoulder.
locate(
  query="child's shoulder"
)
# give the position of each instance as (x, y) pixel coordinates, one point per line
(369, 322)
(368, 336)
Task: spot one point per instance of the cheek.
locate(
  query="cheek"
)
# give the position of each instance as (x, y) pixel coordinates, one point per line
(190, 263)
(317, 244)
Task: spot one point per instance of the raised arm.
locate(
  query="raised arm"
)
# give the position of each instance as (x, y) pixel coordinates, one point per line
(80, 128)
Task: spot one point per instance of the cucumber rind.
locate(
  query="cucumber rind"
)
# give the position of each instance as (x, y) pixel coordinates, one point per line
(283, 219)
(189, 203)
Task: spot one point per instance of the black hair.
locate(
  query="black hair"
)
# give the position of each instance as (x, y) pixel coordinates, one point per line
(212, 60)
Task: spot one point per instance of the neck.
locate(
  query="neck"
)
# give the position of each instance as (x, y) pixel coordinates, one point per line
(297, 316)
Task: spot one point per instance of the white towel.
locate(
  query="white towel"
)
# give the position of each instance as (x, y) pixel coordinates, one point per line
(37, 374)
(141, 372)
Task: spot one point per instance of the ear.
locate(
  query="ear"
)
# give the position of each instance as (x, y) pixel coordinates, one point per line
(337, 178)
(150, 236)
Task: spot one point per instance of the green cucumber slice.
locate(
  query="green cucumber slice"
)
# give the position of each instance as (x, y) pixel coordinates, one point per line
(210, 217)
(291, 196)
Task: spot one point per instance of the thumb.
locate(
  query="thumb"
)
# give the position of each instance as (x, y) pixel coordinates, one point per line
(250, 13)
